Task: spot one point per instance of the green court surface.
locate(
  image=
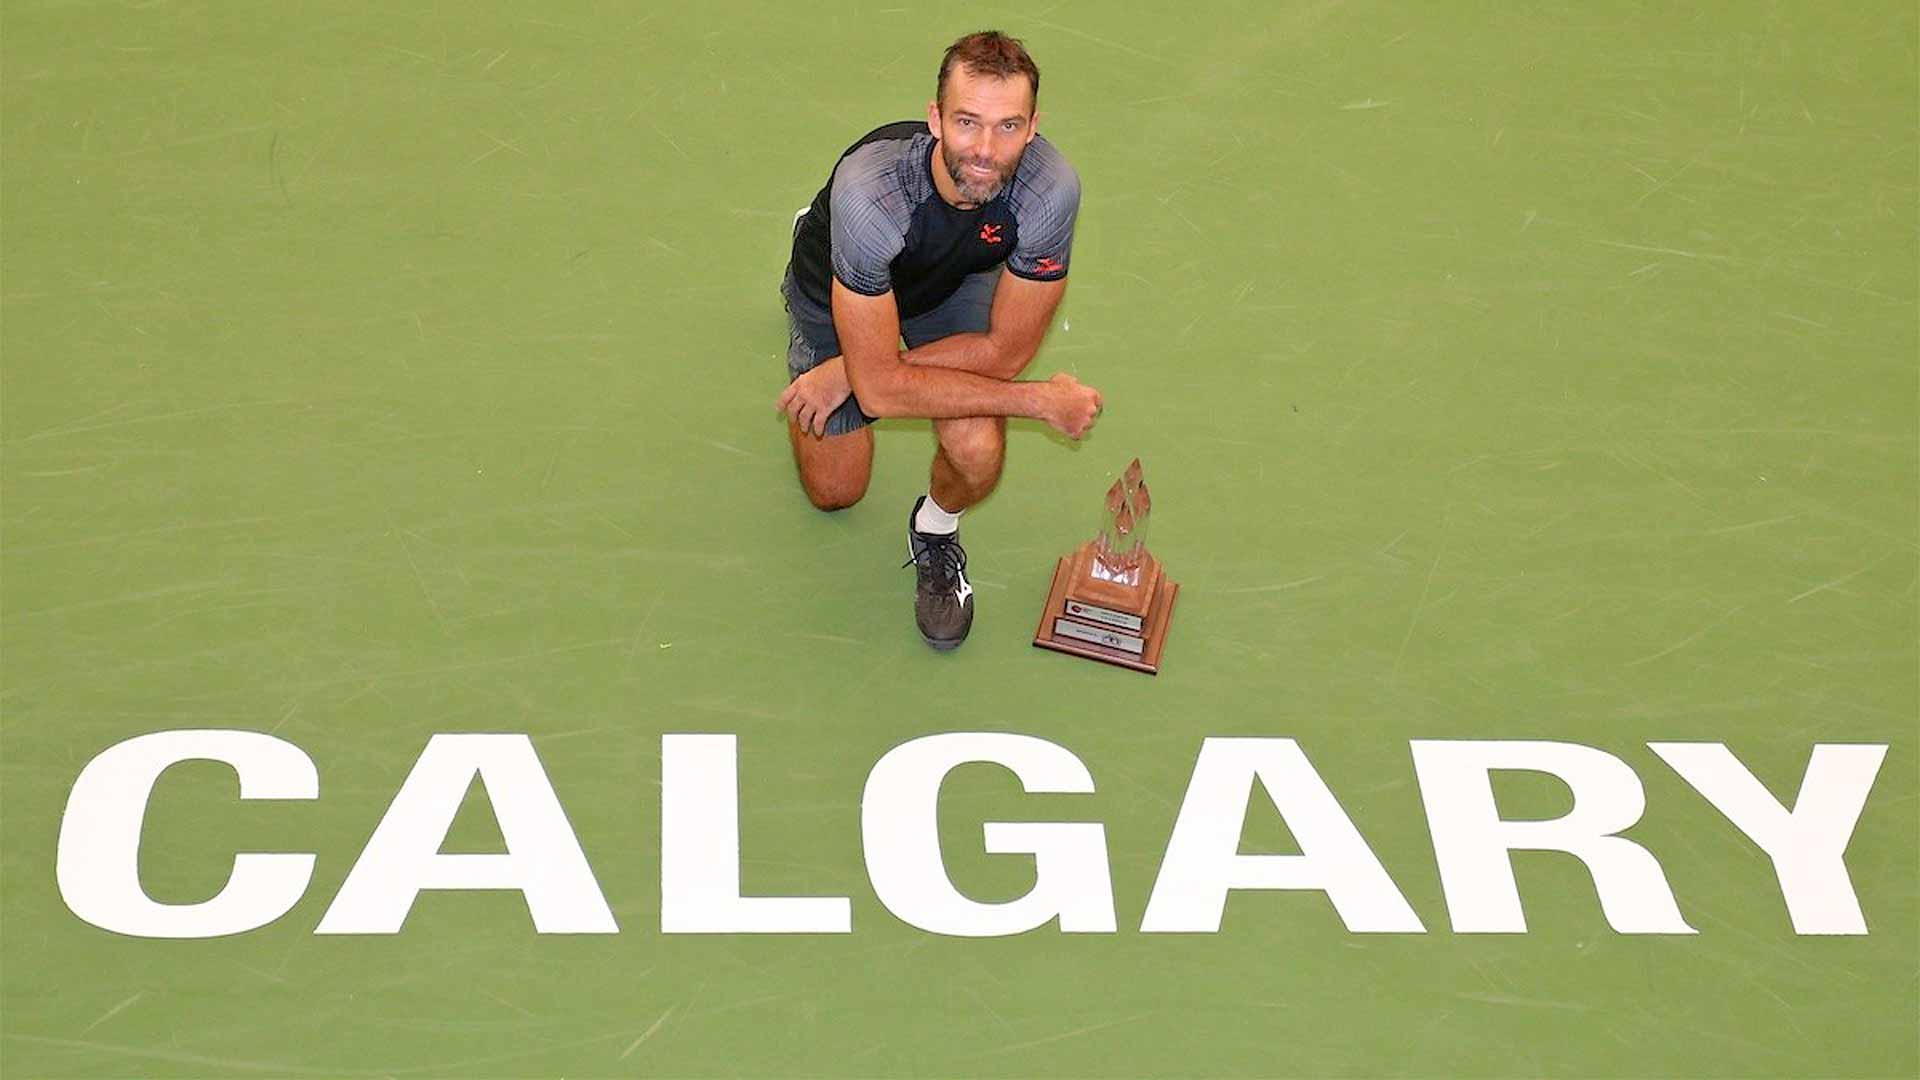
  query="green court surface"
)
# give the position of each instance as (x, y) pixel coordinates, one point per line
(1518, 372)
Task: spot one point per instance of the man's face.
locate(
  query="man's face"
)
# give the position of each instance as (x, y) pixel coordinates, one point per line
(984, 125)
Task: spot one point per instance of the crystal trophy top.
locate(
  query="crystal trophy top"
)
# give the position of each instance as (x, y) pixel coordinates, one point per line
(1121, 548)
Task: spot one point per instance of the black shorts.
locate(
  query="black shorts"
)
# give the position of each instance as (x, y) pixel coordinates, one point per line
(812, 340)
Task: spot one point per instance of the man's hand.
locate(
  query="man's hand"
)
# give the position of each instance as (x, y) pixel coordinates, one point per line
(1072, 406)
(811, 398)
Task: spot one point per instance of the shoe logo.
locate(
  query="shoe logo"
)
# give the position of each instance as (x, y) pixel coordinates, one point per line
(990, 233)
(1048, 265)
(966, 589)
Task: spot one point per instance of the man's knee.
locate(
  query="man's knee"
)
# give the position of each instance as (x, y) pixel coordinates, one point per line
(976, 446)
(835, 493)
(833, 471)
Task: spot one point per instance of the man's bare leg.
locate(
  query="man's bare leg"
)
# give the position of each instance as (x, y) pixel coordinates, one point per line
(966, 467)
(834, 470)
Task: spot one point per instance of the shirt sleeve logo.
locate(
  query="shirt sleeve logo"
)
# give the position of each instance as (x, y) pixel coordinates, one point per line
(1048, 265)
(990, 233)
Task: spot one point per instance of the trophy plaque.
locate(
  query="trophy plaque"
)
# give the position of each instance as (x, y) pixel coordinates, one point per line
(1111, 601)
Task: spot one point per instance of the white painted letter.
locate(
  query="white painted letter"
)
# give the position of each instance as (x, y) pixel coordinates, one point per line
(98, 865)
(543, 859)
(1203, 861)
(1471, 842)
(1808, 846)
(700, 852)
(899, 821)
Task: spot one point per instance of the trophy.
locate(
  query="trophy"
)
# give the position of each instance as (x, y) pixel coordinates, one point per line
(1110, 600)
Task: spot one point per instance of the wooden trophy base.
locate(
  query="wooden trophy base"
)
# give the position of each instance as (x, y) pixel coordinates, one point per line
(1095, 619)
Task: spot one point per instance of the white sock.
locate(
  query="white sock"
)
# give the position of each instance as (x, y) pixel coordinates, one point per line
(932, 519)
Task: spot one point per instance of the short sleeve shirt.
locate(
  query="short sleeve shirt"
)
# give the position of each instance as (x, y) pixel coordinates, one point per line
(879, 224)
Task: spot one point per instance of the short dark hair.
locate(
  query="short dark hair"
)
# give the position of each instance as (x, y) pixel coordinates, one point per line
(989, 52)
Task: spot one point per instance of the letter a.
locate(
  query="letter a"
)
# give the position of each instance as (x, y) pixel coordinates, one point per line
(1203, 862)
(543, 860)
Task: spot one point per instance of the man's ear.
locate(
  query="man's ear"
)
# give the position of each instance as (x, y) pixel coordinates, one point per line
(1033, 126)
(933, 118)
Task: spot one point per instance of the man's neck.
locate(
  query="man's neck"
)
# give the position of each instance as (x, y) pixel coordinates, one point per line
(943, 182)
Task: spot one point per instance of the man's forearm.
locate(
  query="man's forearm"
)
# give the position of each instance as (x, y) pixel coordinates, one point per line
(938, 393)
(980, 354)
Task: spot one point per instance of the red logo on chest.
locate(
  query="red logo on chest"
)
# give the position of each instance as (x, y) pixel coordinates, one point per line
(990, 233)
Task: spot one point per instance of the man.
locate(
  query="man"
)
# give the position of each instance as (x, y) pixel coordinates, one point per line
(955, 234)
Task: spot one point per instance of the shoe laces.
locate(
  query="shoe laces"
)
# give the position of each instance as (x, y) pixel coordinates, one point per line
(945, 558)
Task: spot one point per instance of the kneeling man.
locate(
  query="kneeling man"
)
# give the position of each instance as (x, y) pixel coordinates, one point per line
(954, 235)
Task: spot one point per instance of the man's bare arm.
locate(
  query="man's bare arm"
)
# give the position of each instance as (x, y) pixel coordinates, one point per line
(869, 332)
(1022, 312)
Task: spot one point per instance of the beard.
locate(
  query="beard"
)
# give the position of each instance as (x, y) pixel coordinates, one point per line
(973, 188)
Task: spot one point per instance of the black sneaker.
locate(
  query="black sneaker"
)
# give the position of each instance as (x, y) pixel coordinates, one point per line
(942, 598)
